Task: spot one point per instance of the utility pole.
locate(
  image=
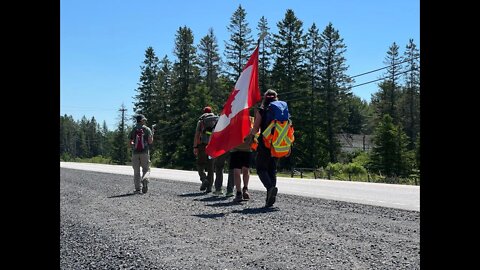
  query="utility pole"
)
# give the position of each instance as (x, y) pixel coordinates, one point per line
(123, 118)
(123, 149)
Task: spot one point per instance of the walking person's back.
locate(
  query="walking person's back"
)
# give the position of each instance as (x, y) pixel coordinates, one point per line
(141, 137)
(266, 162)
(203, 131)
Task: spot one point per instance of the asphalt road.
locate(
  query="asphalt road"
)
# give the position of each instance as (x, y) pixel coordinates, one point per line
(405, 197)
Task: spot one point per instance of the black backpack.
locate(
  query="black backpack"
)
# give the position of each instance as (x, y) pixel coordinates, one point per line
(208, 123)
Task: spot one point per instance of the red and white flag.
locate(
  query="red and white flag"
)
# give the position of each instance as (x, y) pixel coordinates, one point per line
(234, 123)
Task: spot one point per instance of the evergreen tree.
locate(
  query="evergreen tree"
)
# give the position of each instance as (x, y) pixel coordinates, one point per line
(386, 100)
(389, 155)
(240, 46)
(289, 81)
(264, 55)
(120, 140)
(358, 113)
(105, 143)
(146, 87)
(183, 112)
(288, 48)
(93, 138)
(161, 149)
(335, 88)
(68, 136)
(313, 65)
(209, 62)
(83, 145)
(409, 105)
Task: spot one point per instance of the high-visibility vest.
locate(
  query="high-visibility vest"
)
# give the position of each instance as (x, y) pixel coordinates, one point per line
(254, 144)
(278, 137)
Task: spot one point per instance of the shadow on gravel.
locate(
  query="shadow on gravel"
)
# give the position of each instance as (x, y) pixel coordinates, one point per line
(195, 194)
(258, 210)
(219, 215)
(212, 199)
(122, 195)
(223, 204)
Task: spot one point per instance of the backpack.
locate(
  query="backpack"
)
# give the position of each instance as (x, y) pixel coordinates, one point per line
(207, 125)
(278, 136)
(139, 140)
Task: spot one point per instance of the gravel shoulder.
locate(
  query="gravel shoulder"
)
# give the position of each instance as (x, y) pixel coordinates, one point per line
(175, 226)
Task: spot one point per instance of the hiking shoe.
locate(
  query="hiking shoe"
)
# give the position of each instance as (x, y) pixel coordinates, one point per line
(145, 186)
(238, 197)
(218, 192)
(204, 185)
(245, 194)
(271, 196)
(229, 194)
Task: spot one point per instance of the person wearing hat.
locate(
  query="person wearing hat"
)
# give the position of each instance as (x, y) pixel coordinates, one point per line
(266, 165)
(203, 131)
(140, 137)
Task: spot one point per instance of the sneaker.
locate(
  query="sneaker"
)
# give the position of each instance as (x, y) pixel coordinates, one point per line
(238, 197)
(218, 192)
(145, 185)
(204, 185)
(271, 196)
(246, 195)
(209, 189)
(137, 191)
(229, 194)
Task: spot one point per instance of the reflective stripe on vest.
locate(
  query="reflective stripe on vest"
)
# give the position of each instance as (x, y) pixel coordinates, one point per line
(281, 139)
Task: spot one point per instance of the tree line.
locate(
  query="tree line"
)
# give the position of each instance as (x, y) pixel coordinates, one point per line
(307, 68)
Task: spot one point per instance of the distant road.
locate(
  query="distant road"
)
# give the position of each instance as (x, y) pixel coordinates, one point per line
(387, 195)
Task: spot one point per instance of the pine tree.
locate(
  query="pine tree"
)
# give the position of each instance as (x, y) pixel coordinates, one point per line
(240, 46)
(183, 112)
(209, 62)
(358, 113)
(410, 100)
(389, 153)
(68, 136)
(146, 86)
(120, 140)
(288, 48)
(264, 55)
(288, 80)
(386, 100)
(335, 88)
(313, 64)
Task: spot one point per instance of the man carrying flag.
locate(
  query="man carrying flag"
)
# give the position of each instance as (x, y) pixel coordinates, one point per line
(234, 123)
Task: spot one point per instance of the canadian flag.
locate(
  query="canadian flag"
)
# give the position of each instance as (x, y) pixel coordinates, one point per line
(234, 123)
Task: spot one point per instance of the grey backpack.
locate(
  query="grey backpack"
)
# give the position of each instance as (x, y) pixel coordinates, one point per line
(207, 126)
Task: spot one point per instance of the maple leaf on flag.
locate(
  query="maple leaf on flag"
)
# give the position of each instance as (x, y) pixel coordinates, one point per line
(227, 109)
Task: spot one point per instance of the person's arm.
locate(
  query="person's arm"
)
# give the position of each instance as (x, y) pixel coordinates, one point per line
(130, 138)
(150, 137)
(256, 124)
(196, 140)
(255, 128)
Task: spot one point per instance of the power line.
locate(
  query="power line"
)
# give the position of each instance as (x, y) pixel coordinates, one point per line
(384, 67)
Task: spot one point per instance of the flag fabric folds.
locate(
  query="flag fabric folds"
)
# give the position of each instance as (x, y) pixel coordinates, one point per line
(234, 123)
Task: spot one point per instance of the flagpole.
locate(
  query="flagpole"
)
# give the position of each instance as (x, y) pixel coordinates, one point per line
(262, 36)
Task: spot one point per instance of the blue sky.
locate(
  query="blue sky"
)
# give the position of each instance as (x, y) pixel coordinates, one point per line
(103, 42)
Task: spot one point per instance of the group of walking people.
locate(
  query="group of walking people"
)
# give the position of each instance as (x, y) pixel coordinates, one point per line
(238, 159)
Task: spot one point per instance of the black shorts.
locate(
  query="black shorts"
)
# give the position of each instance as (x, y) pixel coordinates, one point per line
(239, 159)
